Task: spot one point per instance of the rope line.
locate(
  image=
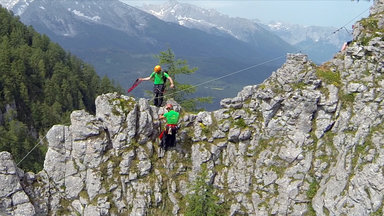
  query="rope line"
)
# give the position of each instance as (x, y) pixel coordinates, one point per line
(230, 74)
(350, 21)
(31, 150)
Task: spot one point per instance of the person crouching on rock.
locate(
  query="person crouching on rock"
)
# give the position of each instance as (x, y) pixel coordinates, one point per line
(168, 136)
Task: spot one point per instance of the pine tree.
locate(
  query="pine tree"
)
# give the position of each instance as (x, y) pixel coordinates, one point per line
(40, 85)
(202, 201)
(180, 94)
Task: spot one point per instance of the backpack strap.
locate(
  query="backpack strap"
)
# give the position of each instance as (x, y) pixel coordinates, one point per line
(164, 77)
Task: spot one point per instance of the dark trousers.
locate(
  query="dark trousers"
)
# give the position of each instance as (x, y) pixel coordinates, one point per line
(169, 139)
(158, 91)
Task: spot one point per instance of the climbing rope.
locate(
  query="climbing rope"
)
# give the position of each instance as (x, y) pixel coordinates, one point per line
(31, 150)
(343, 27)
(230, 74)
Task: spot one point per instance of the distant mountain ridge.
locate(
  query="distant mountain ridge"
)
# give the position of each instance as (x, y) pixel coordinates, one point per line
(65, 19)
(213, 22)
(121, 40)
(319, 42)
(294, 33)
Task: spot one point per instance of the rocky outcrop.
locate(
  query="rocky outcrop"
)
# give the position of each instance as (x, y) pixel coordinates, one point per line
(307, 141)
(12, 195)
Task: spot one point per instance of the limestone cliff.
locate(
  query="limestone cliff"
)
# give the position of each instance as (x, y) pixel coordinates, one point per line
(307, 141)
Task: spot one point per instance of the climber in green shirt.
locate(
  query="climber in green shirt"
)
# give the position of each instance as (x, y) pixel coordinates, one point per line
(168, 136)
(159, 84)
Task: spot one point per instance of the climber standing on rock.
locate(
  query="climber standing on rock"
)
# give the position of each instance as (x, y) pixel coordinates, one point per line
(159, 84)
(168, 136)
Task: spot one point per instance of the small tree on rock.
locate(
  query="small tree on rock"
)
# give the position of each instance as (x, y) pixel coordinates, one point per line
(177, 67)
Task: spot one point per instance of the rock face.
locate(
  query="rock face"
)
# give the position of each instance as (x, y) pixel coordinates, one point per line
(308, 141)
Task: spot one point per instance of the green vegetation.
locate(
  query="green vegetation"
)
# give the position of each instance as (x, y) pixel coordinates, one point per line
(180, 67)
(40, 85)
(298, 85)
(379, 211)
(369, 24)
(240, 123)
(313, 187)
(347, 99)
(202, 201)
(328, 76)
(371, 30)
(263, 145)
(84, 194)
(278, 169)
(205, 129)
(276, 88)
(262, 86)
(311, 211)
(122, 105)
(328, 149)
(362, 150)
(64, 207)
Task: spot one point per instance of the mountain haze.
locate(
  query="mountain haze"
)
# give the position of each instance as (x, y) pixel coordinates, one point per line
(120, 41)
(214, 22)
(320, 43)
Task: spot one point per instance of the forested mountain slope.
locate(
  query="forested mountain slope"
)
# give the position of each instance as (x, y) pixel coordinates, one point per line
(40, 85)
(307, 141)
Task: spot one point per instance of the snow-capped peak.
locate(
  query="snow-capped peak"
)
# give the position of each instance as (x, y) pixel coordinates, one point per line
(8, 3)
(192, 16)
(17, 6)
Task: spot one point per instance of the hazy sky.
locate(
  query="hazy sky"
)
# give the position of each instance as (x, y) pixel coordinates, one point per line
(336, 13)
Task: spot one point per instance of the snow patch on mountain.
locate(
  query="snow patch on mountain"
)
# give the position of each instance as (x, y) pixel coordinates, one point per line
(80, 14)
(157, 13)
(278, 26)
(8, 3)
(17, 6)
(207, 20)
(295, 34)
(183, 20)
(188, 21)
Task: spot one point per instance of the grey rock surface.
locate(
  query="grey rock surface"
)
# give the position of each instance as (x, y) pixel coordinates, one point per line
(307, 141)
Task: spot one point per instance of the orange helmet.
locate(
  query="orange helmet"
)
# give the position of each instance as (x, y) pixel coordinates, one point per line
(169, 106)
(157, 68)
